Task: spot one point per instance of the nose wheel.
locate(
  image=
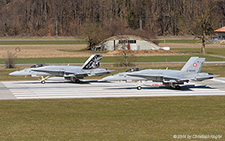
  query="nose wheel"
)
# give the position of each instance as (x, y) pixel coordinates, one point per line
(139, 87)
(139, 84)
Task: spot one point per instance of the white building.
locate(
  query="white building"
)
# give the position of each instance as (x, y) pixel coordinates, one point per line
(129, 42)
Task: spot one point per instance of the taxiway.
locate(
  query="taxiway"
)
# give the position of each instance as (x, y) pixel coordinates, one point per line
(95, 89)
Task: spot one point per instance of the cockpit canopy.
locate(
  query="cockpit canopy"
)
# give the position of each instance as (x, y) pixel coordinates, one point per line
(37, 66)
(134, 69)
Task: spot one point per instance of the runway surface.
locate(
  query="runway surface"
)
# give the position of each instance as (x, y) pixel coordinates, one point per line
(94, 89)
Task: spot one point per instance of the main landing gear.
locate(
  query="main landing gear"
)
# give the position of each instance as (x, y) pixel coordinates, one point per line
(74, 80)
(175, 87)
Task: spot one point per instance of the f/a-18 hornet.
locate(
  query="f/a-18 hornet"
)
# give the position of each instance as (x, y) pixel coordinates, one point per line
(191, 71)
(73, 73)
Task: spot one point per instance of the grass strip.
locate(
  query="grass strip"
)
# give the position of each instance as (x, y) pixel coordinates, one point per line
(154, 118)
(57, 42)
(179, 41)
(116, 59)
(214, 51)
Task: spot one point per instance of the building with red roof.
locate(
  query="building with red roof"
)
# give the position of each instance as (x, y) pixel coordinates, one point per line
(220, 32)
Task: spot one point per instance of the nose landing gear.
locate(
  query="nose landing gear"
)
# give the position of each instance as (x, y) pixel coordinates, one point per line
(43, 79)
(139, 83)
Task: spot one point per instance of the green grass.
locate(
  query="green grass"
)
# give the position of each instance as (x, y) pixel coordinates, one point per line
(214, 51)
(183, 58)
(50, 42)
(53, 42)
(82, 50)
(48, 60)
(180, 41)
(157, 118)
(111, 59)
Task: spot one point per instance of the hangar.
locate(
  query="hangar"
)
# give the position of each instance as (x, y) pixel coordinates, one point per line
(128, 42)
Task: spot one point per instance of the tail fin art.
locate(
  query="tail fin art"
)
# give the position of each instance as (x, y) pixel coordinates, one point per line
(93, 62)
(194, 64)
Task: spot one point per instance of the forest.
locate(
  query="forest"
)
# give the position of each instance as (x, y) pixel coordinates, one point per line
(73, 17)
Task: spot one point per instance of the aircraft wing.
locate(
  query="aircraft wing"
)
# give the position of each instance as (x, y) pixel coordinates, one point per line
(77, 74)
(149, 77)
(160, 77)
(179, 79)
(66, 73)
(47, 70)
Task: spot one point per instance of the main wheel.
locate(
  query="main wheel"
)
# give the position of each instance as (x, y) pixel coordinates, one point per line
(177, 87)
(74, 80)
(77, 81)
(138, 87)
(43, 82)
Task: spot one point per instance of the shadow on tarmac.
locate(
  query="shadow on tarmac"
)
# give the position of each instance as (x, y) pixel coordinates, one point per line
(60, 82)
(183, 88)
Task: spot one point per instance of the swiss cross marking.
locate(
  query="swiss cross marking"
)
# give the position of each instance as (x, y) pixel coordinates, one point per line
(195, 65)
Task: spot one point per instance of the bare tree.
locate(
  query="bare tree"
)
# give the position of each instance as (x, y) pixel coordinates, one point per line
(10, 60)
(128, 56)
(66, 17)
(93, 34)
(203, 24)
(124, 53)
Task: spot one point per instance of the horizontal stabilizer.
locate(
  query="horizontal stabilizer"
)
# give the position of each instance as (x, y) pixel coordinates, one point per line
(206, 77)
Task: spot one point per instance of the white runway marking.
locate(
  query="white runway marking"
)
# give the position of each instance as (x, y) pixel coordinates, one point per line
(51, 90)
(217, 80)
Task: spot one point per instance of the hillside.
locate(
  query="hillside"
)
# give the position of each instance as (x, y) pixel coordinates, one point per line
(67, 17)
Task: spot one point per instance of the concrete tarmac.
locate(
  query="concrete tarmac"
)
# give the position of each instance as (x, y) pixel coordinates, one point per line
(5, 93)
(94, 89)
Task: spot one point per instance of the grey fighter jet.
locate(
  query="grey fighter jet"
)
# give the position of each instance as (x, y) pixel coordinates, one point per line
(159, 77)
(73, 73)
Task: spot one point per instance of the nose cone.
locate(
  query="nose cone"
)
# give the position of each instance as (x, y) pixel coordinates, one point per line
(108, 78)
(18, 73)
(109, 71)
(99, 72)
(114, 77)
(15, 73)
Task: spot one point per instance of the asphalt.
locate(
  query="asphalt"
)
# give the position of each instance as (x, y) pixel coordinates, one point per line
(94, 89)
(5, 93)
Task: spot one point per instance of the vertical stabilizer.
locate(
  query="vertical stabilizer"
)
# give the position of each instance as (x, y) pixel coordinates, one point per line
(92, 62)
(194, 65)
